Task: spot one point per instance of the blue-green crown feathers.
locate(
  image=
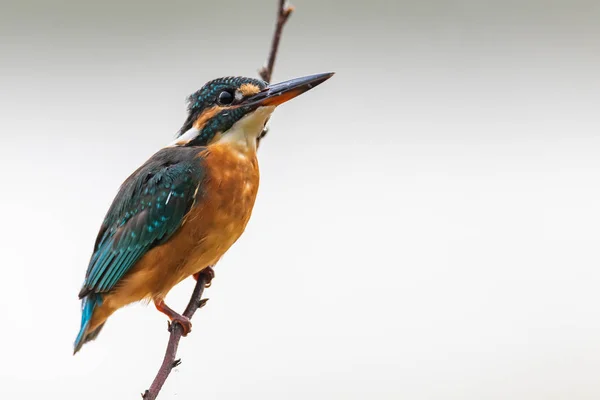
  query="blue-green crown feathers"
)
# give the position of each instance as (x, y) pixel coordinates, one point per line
(207, 96)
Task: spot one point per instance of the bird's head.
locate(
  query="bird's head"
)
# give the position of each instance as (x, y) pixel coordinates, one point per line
(236, 109)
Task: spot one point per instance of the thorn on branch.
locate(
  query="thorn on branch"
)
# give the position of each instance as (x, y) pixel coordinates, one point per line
(202, 303)
(176, 363)
(261, 136)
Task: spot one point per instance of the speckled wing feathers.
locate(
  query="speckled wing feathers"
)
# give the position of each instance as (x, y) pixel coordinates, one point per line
(150, 206)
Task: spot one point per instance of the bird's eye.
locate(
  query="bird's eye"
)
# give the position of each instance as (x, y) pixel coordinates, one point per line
(225, 97)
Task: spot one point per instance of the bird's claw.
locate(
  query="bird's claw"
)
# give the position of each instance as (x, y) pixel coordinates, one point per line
(185, 323)
(209, 274)
(174, 317)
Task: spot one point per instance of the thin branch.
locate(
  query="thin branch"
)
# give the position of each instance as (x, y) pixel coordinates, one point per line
(176, 330)
(196, 301)
(266, 73)
(283, 13)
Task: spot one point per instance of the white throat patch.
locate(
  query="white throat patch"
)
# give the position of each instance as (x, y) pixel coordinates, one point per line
(243, 133)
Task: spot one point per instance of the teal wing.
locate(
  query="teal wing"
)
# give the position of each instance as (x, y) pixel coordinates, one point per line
(150, 206)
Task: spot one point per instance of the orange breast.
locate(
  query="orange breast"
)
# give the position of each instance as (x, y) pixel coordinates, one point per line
(223, 206)
(222, 209)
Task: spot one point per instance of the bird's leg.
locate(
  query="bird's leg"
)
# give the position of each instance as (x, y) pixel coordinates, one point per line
(182, 320)
(208, 272)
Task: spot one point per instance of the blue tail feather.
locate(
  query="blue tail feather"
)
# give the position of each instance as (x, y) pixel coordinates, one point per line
(88, 305)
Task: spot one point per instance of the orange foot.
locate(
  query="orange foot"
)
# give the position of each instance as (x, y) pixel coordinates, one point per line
(209, 274)
(182, 320)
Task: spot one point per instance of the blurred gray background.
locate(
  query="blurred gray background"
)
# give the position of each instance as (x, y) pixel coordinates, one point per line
(427, 222)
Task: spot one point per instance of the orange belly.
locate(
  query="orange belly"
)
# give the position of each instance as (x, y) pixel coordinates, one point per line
(219, 216)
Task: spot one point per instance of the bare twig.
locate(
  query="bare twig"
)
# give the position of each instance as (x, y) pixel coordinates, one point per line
(283, 13)
(176, 330)
(266, 73)
(196, 301)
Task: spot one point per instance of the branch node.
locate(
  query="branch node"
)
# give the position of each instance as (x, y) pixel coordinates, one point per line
(288, 11)
(202, 303)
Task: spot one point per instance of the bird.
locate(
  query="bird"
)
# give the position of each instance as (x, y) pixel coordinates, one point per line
(178, 213)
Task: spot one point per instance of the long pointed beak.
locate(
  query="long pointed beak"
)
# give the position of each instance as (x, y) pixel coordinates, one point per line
(279, 93)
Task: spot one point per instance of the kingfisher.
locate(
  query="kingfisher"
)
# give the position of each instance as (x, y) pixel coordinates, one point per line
(178, 213)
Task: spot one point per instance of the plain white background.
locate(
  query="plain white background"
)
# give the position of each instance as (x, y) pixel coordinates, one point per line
(426, 226)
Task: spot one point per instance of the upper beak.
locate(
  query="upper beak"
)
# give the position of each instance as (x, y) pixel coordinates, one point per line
(279, 93)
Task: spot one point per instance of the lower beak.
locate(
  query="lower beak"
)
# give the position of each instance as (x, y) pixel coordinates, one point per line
(279, 93)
